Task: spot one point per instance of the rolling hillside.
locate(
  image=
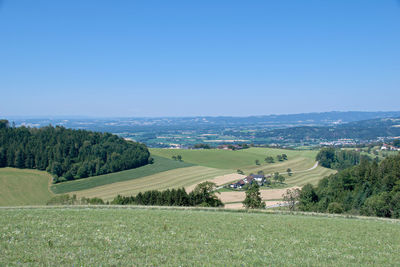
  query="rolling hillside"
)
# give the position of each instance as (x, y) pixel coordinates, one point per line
(227, 159)
(176, 178)
(224, 162)
(160, 165)
(175, 237)
(24, 187)
(198, 166)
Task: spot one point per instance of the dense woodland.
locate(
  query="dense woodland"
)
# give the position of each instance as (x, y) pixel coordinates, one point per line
(338, 159)
(369, 188)
(68, 154)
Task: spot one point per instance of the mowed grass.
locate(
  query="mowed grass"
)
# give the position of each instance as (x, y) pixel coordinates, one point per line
(176, 178)
(160, 164)
(151, 237)
(23, 187)
(312, 177)
(226, 159)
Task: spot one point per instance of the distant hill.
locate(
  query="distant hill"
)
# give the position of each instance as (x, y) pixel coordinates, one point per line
(137, 123)
(365, 130)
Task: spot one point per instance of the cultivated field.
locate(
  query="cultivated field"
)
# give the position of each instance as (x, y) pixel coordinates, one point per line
(182, 177)
(23, 187)
(160, 165)
(151, 237)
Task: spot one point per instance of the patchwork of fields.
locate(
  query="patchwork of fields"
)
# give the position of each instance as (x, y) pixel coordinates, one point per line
(176, 178)
(197, 166)
(150, 237)
(214, 164)
(160, 165)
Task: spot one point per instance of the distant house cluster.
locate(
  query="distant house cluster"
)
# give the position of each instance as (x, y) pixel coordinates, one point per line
(233, 147)
(389, 147)
(339, 142)
(252, 178)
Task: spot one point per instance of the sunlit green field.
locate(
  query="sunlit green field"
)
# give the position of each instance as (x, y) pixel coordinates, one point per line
(23, 187)
(150, 237)
(227, 159)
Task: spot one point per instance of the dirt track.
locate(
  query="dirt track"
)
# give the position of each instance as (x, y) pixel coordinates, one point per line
(240, 205)
(266, 194)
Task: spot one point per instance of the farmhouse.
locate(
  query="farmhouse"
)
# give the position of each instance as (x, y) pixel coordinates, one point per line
(252, 178)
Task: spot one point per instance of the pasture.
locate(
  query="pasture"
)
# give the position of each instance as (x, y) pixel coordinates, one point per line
(84, 236)
(24, 187)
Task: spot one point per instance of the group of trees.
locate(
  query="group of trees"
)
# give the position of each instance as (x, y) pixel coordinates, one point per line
(270, 159)
(202, 146)
(369, 188)
(178, 157)
(202, 195)
(68, 154)
(338, 159)
(73, 200)
(278, 177)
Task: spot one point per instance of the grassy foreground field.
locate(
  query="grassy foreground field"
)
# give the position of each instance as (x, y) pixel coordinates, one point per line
(160, 165)
(151, 237)
(23, 187)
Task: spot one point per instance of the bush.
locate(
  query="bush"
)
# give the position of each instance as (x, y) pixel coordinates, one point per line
(335, 207)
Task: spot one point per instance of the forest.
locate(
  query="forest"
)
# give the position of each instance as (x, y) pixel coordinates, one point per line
(369, 188)
(338, 159)
(68, 154)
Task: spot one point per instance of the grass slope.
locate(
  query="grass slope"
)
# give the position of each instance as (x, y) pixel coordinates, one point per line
(149, 237)
(226, 159)
(23, 187)
(176, 178)
(160, 165)
(312, 177)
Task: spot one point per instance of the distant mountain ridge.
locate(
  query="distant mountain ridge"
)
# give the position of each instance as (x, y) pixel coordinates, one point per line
(286, 120)
(365, 130)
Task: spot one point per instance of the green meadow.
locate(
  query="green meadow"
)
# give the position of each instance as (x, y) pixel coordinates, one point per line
(85, 236)
(227, 159)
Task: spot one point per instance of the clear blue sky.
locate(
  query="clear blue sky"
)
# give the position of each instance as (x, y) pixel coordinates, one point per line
(185, 58)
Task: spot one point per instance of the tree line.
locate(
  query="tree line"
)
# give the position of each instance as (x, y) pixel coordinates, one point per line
(66, 153)
(370, 188)
(203, 195)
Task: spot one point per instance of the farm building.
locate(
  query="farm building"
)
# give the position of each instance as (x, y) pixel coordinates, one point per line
(252, 178)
